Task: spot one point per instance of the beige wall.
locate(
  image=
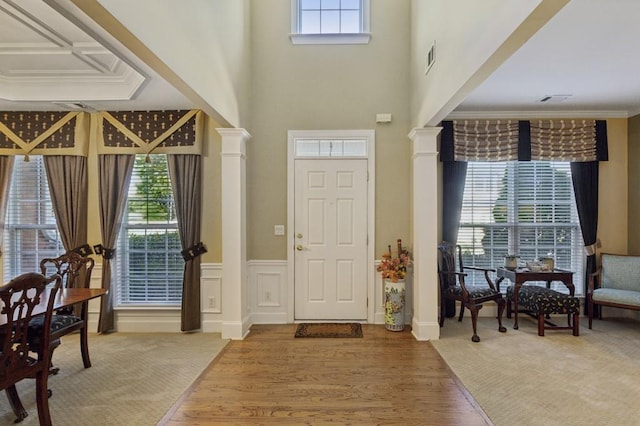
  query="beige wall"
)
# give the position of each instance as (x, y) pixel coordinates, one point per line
(634, 184)
(211, 212)
(472, 39)
(316, 87)
(205, 43)
(612, 191)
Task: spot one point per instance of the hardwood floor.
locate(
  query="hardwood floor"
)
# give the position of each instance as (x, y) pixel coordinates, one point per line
(273, 378)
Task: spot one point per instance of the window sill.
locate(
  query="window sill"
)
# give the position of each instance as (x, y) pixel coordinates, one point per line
(147, 308)
(356, 38)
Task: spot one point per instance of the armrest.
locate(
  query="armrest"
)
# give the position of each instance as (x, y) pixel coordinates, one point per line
(486, 274)
(593, 283)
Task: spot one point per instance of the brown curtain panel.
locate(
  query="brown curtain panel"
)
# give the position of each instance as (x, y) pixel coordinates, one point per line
(67, 175)
(114, 174)
(185, 171)
(6, 169)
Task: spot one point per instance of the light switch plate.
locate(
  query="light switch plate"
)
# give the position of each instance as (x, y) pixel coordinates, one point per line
(278, 229)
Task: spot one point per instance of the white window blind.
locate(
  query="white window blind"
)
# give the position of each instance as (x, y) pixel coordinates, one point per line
(523, 208)
(30, 232)
(149, 257)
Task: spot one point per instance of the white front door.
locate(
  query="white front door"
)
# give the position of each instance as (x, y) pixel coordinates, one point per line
(330, 239)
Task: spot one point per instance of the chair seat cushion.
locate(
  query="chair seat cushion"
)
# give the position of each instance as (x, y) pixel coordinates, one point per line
(475, 292)
(58, 322)
(542, 300)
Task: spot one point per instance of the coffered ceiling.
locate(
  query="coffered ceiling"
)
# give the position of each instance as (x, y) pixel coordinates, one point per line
(54, 58)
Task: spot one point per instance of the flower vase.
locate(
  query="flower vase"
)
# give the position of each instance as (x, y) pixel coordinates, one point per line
(394, 299)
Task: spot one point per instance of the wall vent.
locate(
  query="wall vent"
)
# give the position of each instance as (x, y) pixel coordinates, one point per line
(430, 58)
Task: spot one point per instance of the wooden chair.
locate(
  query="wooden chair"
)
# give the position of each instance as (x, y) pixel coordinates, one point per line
(453, 287)
(75, 272)
(18, 359)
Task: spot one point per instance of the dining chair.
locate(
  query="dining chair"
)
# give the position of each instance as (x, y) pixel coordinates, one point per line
(18, 359)
(75, 272)
(452, 273)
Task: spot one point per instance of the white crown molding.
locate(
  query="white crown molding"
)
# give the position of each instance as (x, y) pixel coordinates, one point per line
(526, 115)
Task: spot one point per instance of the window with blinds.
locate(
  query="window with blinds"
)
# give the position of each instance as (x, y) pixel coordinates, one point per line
(524, 208)
(30, 231)
(150, 263)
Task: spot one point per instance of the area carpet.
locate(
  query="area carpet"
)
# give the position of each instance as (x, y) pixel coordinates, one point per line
(520, 378)
(329, 330)
(134, 379)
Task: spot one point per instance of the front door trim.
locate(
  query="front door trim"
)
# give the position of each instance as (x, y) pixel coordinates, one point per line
(369, 136)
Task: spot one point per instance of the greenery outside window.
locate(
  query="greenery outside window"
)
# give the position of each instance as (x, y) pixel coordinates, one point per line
(525, 208)
(150, 264)
(31, 232)
(330, 22)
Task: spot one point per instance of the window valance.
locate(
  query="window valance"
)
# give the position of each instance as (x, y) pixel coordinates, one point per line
(144, 132)
(574, 140)
(44, 133)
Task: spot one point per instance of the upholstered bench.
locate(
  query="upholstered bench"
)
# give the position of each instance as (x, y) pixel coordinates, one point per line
(541, 302)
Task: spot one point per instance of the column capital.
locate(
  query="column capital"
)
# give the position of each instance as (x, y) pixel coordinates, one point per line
(425, 140)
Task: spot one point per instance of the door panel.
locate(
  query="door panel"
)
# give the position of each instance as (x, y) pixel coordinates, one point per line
(331, 239)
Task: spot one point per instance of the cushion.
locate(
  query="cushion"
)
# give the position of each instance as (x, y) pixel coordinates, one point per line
(474, 291)
(620, 272)
(546, 301)
(58, 322)
(611, 295)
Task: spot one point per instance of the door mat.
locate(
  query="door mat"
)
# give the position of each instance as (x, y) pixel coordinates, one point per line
(326, 329)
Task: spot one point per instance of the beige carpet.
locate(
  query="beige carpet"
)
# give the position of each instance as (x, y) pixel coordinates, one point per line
(520, 378)
(134, 379)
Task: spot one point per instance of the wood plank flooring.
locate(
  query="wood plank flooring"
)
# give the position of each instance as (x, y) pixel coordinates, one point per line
(273, 378)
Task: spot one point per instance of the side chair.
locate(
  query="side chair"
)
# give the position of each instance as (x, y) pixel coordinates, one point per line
(451, 274)
(22, 299)
(75, 272)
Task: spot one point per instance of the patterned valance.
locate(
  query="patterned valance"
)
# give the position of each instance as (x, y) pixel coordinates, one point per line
(563, 140)
(44, 133)
(485, 140)
(509, 140)
(144, 132)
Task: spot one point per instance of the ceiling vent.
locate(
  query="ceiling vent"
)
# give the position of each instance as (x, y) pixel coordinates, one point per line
(554, 99)
(74, 106)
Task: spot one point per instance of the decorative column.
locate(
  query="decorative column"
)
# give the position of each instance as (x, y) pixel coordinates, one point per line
(235, 315)
(426, 201)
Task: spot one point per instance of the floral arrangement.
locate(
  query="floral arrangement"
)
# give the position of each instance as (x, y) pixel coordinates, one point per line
(395, 268)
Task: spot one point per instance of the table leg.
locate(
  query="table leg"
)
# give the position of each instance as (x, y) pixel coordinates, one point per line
(516, 290)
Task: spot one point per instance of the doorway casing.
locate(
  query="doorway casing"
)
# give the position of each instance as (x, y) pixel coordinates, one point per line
(369, 136)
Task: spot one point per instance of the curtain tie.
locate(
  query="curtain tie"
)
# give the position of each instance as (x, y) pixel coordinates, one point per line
(84, 250)
(194, 251)
(590, 249)
(106, 253)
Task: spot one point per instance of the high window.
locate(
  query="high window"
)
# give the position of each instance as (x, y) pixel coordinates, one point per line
(30, 232)
(150, 263)
(330, 21)
(524, 208)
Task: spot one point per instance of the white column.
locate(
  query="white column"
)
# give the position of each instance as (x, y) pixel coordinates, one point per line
(235, 315)
(425, 233)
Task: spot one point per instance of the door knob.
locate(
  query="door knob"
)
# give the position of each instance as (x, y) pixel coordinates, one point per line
(299, 247)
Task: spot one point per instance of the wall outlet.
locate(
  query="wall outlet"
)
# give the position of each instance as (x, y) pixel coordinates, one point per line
(212, 302)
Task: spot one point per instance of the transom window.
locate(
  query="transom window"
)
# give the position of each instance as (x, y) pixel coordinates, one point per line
(330, 21)
(31, 232)
(524, 208)
(150, 264)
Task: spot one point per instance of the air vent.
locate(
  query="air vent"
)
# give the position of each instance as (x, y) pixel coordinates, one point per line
(430, 58)
(74, 106)
(552, 99)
